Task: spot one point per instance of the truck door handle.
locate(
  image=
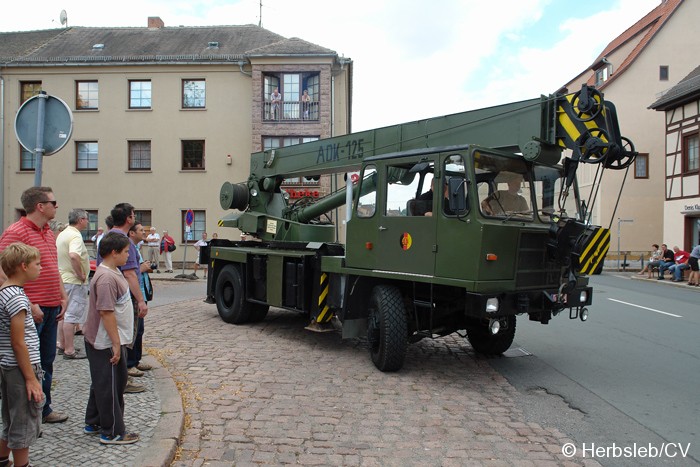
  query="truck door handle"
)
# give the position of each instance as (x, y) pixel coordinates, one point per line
(382, 228)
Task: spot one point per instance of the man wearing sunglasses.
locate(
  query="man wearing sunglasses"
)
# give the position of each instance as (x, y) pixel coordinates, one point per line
(46, 294)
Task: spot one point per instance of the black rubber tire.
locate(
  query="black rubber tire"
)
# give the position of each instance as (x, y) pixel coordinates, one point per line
(485, 343)
(230, 296)
(387, 329)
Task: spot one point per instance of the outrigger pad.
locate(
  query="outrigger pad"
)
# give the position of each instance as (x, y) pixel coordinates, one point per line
(320, 327)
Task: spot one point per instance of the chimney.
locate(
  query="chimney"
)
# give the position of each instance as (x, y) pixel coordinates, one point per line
(154, 22)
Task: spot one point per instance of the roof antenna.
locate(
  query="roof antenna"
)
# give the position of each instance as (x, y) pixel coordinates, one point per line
(64, 18)
(260, 17)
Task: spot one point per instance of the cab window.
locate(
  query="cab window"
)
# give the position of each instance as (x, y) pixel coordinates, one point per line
(367, 203)
(454, 186)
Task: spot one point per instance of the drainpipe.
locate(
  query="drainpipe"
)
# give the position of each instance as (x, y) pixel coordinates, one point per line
(241, 64)
(334, 180)
(2, 152)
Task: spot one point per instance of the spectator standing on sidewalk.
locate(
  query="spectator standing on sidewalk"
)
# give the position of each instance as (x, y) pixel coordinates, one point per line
(167, 246)
(74, 266)
(694, 278)
(134, 352)
(198, 246)
(109, 328)
(124, 218)
(46, 293)
(20, 362)
(110, 225)
(153, 242)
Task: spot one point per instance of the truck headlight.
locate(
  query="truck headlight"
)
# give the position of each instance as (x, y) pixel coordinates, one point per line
(492, 305)
(494, 326)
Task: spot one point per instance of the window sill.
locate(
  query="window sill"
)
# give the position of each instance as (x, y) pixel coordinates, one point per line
(86, 172)
(189, 171)
(86, 110)
(139, 109)
(190, 109)
(138, 171)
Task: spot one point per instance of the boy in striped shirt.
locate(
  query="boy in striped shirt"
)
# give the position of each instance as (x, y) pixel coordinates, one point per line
(20, 361)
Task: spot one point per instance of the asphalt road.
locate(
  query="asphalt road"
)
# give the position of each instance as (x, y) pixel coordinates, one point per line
(630, 374)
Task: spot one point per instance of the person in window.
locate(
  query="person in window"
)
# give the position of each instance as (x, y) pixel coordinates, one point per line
(425, 201)
(276, 99)
(305, 104)
(506, 201)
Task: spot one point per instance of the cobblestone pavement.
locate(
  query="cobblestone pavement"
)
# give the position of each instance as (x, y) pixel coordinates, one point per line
(273, 393)
(65, 444)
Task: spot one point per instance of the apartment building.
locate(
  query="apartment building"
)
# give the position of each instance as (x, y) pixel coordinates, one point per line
(163, 116)
(634, 70)
(681, 109)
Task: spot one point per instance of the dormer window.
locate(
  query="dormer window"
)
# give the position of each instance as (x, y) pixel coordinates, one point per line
(601, 75)
(213, 44)
(98, 47)
(603, 70)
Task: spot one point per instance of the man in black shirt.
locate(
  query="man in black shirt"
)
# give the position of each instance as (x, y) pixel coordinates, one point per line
(667, 261)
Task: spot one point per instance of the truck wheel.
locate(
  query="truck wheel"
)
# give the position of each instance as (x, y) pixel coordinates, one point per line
(483, 342)
(230, 297)
(387, 330)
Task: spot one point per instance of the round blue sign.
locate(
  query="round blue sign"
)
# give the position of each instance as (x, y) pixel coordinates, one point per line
(189, 217)
(58, 123)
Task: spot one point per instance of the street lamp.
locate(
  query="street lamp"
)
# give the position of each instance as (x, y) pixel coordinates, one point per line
(619, 222)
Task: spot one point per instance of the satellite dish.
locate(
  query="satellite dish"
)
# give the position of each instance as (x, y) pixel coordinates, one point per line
(64, 17)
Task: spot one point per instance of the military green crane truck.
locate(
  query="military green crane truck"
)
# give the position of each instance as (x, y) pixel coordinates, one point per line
(505, 234)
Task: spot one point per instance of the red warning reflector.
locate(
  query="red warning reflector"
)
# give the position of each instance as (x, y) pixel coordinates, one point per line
(368, 245)
(491, 257)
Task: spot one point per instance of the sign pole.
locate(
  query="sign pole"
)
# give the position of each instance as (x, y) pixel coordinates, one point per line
(189, 219)
(39, 145)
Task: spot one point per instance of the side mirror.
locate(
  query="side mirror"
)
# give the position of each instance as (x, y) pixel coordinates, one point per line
(457, 198)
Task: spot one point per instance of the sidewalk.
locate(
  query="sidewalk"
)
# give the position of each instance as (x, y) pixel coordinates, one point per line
(667, 279)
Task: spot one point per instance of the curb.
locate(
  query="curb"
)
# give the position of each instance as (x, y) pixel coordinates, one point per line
(665, 281)
(163, 445)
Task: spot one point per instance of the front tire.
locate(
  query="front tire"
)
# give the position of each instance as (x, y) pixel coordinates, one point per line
(483, 342)
(387, 330)
(230, 296)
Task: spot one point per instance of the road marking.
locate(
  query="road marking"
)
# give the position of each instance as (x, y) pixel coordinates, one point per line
(645, 308)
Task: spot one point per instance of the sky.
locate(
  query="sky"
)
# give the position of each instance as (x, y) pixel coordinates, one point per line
(412, 59)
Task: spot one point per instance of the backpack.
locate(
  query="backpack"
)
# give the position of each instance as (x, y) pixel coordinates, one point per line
(147, 286)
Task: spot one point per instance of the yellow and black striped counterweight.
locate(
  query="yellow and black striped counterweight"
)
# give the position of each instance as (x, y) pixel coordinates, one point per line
(593, 245)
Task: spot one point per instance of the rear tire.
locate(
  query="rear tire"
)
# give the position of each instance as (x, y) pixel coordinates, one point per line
(387, 330)
(483, 342)
(230, 296)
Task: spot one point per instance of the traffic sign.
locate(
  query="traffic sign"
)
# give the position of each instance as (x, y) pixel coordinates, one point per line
(189, 217)
(57, 124)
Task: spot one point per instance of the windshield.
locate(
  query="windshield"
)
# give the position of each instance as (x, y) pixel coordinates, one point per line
(504, 187)
(513, 189)
(548, 183)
